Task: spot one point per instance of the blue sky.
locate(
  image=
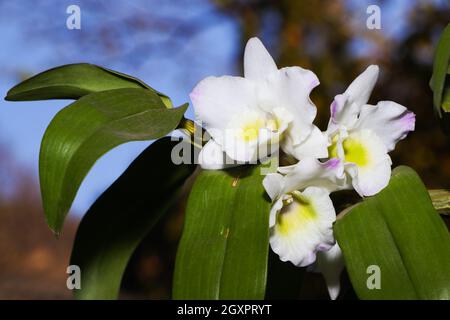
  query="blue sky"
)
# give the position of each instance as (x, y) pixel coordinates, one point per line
(37, 39)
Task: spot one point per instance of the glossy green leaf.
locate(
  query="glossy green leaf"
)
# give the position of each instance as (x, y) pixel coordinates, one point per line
(85, 130)
(73, 81)
(223, 251)
(122, 216)
(440, 70)
(399, 231)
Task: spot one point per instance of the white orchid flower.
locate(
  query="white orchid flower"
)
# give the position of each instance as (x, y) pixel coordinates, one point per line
(363, 134)
(249, 118)
(302, 214)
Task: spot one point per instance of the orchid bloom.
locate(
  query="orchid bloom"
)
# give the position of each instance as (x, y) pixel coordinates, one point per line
(249, 118)
(362, 135)
(302, 216)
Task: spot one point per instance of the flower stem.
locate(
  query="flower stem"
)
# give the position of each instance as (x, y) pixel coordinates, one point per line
(190, 129)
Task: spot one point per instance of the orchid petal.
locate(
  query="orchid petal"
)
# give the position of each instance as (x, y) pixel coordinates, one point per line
(309, 171)
(212, 157)
(257, 61)
(276, 207)
(273, 183)
(250, 142)
(240, 150)
(315, 145)
(289, 89)
(303, 227)
(331, 263)
(367, 162)
(343, 113)
(389, 120)
(346, 107)
(217, 100)
(361, 88)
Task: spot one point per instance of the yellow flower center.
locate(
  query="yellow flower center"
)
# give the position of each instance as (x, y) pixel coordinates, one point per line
(250, 130)
(332, 149)
(296, 214)
(354, 151)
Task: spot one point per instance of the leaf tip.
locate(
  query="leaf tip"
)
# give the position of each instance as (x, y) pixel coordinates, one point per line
(55, 227)
(56, 233)
(9, 95)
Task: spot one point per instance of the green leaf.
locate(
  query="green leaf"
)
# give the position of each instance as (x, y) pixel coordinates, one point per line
(440, 70)
(88, 128)
(446, 98)
(122, 216)
(224, 247)
(73, 81)
(399, 231)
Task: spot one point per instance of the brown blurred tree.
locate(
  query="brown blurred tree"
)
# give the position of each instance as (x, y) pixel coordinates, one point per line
(32, 261)
(321, 35)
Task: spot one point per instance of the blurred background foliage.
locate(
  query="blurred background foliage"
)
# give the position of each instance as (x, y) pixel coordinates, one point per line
(139, 37)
